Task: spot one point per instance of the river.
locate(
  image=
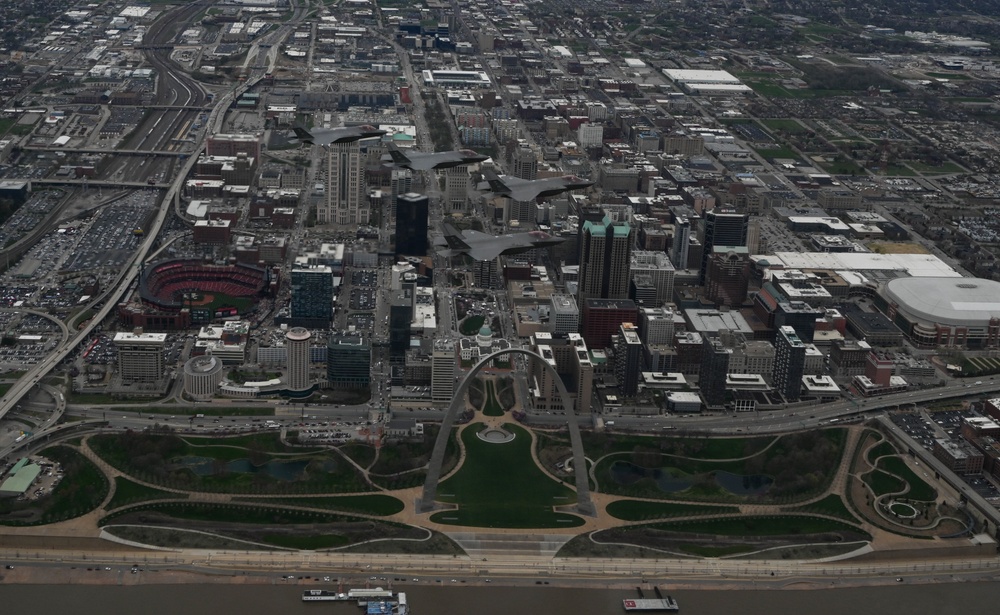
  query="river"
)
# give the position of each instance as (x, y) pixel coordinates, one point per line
(220, 599)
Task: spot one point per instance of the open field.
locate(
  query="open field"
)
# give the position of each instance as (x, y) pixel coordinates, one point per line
(498, 485)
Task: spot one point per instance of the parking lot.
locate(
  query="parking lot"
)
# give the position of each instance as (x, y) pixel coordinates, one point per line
(362, 322)
(362, 299)
(365, 277)
(29, 215)
(944, 424)
(27, 350)
(110, 240)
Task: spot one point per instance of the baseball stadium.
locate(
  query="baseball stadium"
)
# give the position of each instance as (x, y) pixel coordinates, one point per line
(208, 291)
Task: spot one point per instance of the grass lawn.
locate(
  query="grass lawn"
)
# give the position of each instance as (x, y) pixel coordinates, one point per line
(800, 465)
(899, 170)
(492, 407)
(499, 485)
(758, 526)
(128, 492)
(831, 505)
(21, 129)
(257, 514)
(471, 325)
(306, 543)
(778, 152)
(708, 449)
(709, 551)
(842, 167)
(361, 454)
(919, 489)
(950, 76)
(376, 504)
(769, 88)
(105, 399)
(882, 483)
(790, 126)
(4, 387)
(82, 488)
(640, 510)
(947, 167)
(157, 459)
(880, 450)
(816, 27)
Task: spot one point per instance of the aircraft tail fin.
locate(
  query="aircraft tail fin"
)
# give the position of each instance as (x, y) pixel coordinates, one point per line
(496, 184)
(397, 156)
(302, 134)
(453, 237)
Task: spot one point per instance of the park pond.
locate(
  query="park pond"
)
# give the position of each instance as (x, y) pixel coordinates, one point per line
(281, 470)
(672, 480)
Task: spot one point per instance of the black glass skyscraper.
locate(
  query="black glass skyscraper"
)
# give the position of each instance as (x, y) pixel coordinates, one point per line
(411, 225)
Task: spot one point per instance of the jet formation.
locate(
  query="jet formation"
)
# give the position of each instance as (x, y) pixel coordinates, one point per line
(482, 246)
(328, 136)
(530, 189)
(430, 161)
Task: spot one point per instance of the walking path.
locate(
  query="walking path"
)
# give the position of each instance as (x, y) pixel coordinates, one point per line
(477, 543)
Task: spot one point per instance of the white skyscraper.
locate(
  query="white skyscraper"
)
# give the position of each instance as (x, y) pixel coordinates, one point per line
(297, 343)
(443, 361)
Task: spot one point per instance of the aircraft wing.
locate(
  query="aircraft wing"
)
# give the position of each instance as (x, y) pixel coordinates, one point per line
(322, 136)
(485, 251)
(421, 163)
(477, 236)
(523, 192)
(483, 246)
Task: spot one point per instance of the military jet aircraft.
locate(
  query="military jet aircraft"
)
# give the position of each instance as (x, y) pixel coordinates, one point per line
(530, 189)
(483, 247)
(326, 136)
(428, 161)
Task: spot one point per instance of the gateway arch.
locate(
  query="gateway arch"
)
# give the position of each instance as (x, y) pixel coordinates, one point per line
(584, 505)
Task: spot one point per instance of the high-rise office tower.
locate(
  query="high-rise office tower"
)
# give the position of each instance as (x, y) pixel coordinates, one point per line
(569, 357)
(712, 372)
(601, 319)
(400, 316)
(728, 275)
(681, 244)
(443, 371)
(411, 225)
(345, 201)
(400, 183)
(722, 228)
(140, 356)
(660, 271)
(565, 314)
(524, 163)
(456, 189)
(628, 359)
(789, 361)
(586, 213)
(656, 326)
(297, 348)
(312, 296)
(486, 274)
(604, 264)
(753, 236)
(348, 362)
